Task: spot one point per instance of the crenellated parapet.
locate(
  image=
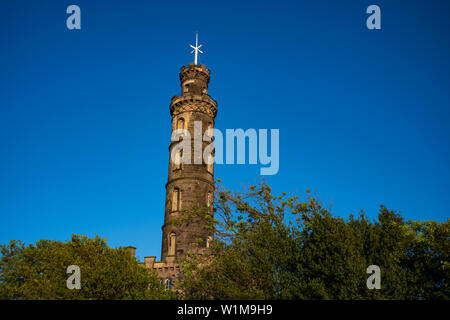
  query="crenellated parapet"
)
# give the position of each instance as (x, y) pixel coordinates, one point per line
(192, 71)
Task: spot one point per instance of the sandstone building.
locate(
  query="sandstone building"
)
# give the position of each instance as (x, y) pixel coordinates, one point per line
(188, 185)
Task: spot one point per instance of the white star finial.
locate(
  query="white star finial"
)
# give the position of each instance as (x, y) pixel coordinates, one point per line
(196, 48)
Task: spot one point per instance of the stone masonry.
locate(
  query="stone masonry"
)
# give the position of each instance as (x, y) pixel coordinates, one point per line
(188, 185)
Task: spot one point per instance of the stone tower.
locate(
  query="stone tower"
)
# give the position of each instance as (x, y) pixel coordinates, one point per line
(190, 184)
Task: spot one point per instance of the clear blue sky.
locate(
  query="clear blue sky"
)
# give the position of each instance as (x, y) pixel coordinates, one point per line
(85, 124)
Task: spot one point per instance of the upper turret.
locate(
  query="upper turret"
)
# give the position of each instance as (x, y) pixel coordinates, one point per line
(194, 79)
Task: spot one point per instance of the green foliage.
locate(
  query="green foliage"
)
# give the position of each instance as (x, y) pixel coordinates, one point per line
(39, 271)
(280, 247)
(265, 247)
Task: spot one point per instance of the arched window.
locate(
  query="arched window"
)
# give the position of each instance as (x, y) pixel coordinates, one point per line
(168, 284)
(209, 199)
(210, 131)
(210, 164)
(208, 241)
(176, 197)
(180, 123)
(172, 240)
(178, 160)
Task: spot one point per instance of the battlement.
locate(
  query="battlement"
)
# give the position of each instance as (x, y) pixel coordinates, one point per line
(160, 266)
(193, 71)
(168, 272)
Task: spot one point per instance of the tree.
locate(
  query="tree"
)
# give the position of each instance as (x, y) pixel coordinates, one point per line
(265, 247)
(39, 271)
(280, 247)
